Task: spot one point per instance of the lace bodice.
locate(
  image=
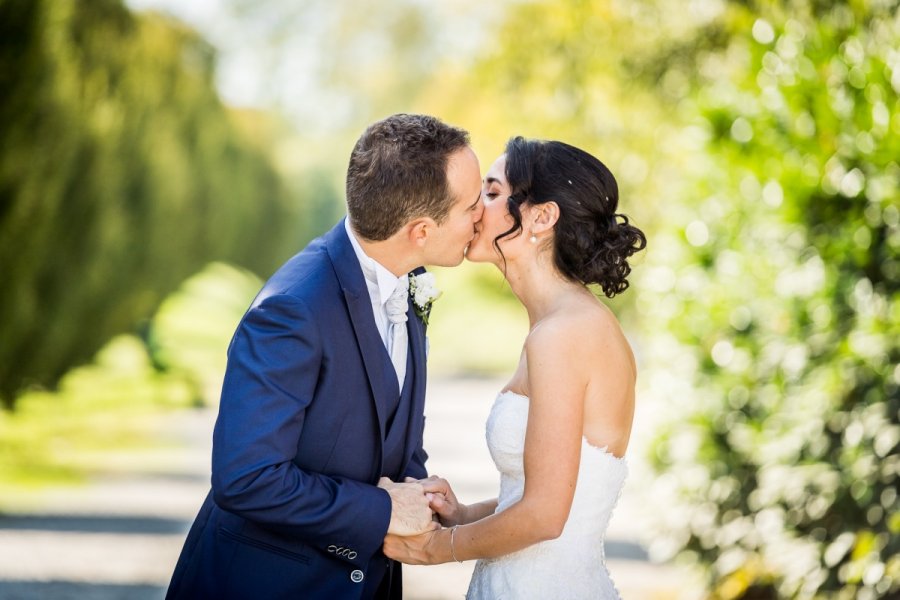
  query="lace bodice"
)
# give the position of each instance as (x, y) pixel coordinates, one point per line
(573, 565)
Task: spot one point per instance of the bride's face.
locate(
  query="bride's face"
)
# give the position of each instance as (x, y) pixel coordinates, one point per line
(495, 219)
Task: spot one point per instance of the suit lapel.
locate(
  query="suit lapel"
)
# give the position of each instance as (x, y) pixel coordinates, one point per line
(359, 305)
(416, 330)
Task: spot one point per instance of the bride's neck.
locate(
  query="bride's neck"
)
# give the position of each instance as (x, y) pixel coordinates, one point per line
(540, 288)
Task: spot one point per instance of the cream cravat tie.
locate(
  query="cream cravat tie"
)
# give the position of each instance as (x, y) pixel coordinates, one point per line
(397, 343)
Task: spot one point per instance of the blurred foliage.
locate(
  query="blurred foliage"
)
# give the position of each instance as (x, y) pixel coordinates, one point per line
(190, 333)
(477, 326)
(58, 437)
(776, 305)
(120, 174)
(337, 66)
(113, 405)
(756, 143)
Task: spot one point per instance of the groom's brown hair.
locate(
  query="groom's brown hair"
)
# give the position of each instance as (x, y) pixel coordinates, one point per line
(398, 172)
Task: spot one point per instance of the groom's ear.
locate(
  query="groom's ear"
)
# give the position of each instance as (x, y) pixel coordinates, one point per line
(545, 216)
(419, 229)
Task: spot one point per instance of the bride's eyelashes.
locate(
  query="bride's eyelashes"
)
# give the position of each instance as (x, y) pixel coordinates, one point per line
(493, 192)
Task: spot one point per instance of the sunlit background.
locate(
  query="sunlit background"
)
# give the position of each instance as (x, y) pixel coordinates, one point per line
(159, 159)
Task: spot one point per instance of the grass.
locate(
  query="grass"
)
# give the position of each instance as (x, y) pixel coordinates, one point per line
(59, 437)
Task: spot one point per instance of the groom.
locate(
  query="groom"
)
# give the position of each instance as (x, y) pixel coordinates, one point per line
(323, 397)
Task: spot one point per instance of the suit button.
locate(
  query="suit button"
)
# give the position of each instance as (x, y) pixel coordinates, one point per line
(356, 576)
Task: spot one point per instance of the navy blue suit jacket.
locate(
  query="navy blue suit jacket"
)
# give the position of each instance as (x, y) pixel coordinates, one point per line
(294, 511)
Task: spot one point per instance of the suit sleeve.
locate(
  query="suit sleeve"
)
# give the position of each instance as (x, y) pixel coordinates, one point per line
(273, 366)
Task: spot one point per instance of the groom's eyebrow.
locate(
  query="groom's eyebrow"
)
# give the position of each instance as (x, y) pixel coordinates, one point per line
(490, 180)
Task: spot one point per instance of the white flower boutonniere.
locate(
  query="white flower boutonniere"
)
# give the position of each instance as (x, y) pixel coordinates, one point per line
(424, 292)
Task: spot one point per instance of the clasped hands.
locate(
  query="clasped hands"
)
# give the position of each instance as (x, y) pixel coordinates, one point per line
(418, 510)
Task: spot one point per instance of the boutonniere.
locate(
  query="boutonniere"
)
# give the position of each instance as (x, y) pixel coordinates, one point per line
(424, 292)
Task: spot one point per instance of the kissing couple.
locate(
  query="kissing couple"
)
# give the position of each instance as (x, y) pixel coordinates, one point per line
(319, 480)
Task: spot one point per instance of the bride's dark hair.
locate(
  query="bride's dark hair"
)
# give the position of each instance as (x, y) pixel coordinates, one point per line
(592, 242)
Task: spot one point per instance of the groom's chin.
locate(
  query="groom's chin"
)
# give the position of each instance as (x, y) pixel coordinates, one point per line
(457, 262)
(444, 261)
(473, 256)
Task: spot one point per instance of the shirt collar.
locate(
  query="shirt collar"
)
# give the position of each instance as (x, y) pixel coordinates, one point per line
(373, 271)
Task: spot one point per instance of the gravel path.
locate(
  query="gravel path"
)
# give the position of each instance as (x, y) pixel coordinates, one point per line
(119, 537)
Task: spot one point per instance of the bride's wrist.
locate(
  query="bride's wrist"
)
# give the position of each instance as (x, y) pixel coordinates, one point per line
(462, 515)
(453, 545)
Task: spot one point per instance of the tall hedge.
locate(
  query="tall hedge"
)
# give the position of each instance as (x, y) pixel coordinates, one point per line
(121, 173)
(780, 453)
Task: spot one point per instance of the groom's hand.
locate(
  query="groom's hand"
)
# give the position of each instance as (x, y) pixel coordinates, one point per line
(417, 549)
(410, 513)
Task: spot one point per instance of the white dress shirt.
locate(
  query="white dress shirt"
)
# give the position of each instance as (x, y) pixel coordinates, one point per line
(381, 284)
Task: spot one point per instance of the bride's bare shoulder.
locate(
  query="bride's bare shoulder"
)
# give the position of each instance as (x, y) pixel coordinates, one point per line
(588, 333)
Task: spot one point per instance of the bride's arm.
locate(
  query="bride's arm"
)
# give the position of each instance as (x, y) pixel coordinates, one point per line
(557, 381)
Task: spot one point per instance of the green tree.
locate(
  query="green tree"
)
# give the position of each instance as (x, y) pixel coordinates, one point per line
(121, 173)
(781, 296)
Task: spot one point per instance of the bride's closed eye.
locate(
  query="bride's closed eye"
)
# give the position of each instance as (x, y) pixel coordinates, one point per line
(492, 191)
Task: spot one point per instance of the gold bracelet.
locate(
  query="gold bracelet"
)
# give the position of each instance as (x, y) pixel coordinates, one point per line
(452, 553)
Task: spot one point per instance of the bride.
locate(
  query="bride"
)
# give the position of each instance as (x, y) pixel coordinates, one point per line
(559, 430)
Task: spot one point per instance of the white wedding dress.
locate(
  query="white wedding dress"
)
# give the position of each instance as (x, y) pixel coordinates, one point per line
(573, 565)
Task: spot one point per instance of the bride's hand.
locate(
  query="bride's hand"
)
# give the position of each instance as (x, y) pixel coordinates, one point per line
(422, 549)
(443, 501)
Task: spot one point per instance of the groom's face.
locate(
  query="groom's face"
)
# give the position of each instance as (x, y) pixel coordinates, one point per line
(446, 247)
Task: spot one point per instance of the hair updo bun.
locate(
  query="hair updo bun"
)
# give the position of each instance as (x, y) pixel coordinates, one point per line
(592, 242)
